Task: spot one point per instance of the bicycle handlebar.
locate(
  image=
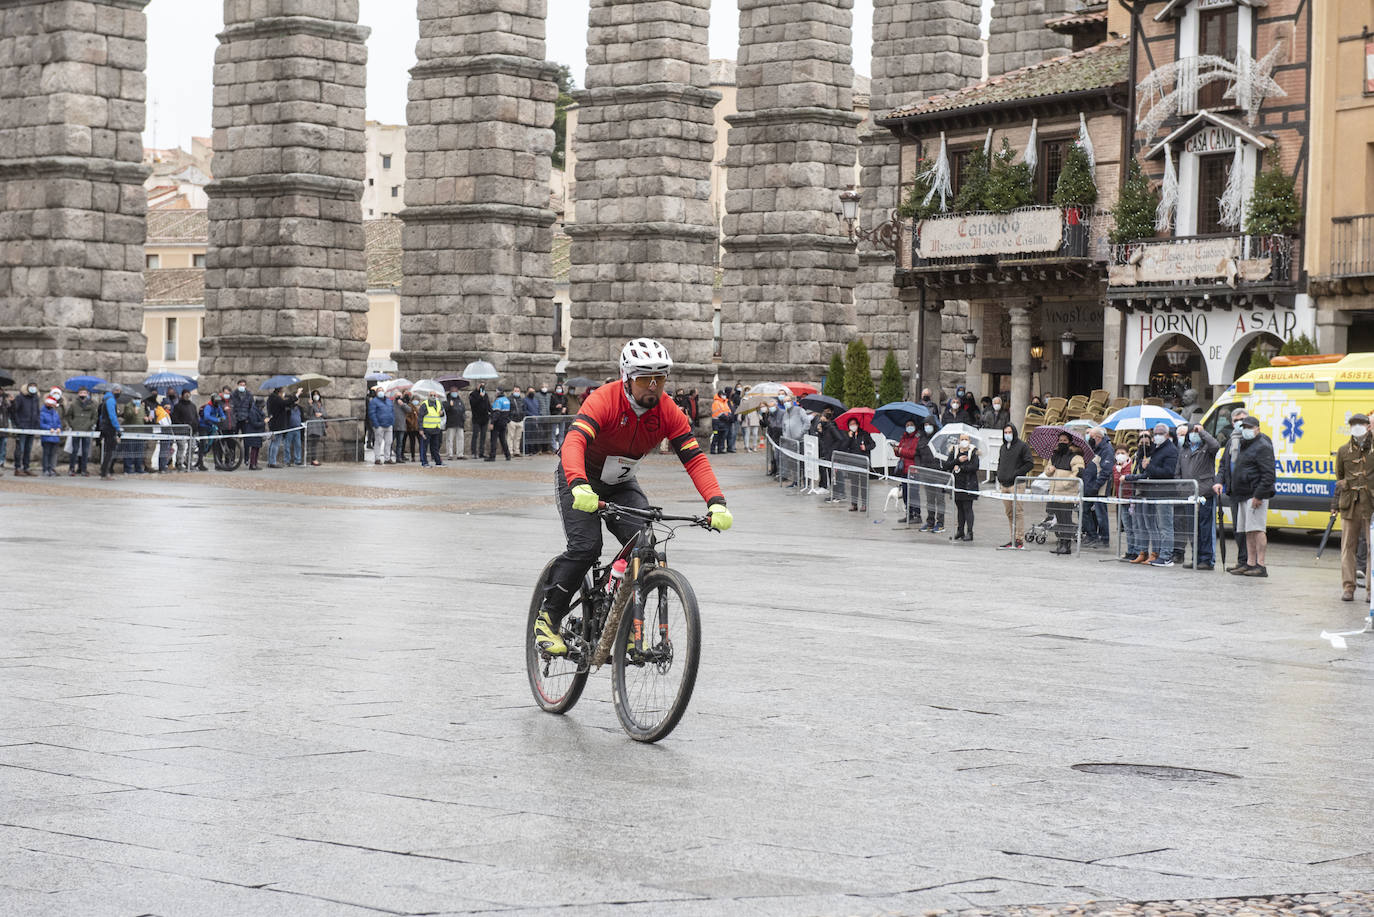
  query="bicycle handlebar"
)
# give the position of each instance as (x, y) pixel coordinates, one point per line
(651, 514)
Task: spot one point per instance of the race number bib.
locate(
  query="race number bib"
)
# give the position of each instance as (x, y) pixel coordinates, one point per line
(618, 469)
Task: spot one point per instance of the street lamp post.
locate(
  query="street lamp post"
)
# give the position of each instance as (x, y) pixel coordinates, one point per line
(884, 234)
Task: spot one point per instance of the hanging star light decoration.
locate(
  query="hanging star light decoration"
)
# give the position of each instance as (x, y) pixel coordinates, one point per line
(1254, 82)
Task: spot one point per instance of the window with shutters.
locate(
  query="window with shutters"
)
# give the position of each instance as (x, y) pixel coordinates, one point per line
(1218, 34)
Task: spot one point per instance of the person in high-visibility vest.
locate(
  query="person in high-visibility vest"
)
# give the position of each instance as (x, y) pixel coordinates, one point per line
(431, 430)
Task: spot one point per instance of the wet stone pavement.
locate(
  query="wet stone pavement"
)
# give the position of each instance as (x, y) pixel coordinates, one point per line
(302, 692)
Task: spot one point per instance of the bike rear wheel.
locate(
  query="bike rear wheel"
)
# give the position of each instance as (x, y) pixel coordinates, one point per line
(230, 454)
(652, 681)
(555, 681)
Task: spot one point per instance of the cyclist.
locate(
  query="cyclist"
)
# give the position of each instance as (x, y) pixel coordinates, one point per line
(616, 427)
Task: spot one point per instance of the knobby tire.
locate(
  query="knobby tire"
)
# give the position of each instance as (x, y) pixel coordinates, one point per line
(551, 702)
(630, 683)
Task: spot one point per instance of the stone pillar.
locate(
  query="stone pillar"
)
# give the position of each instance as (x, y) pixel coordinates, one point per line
(973, 369)
(72, 202)
(286, 275)
(644, 242)
(1018, 37)
(919, 48)
(788, 301)
(1113, 330)
(1019, 314)
(478, 230)
(1333, 327)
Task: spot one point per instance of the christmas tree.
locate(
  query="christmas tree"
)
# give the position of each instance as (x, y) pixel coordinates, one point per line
(1010, 183)
(1134, 212)
(1076, 187)
(890, 387)
(1274, 208)
(834, 378)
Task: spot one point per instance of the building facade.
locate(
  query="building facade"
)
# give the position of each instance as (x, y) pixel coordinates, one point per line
(1340, 193)
(1222, 94)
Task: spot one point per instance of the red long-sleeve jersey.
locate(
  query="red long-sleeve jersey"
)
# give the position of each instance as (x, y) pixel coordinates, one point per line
(608, 427)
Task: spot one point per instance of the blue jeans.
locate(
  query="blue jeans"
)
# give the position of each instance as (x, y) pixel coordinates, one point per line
(81, 454)
(1095, 521)
(274, 448)
(293, 442)
(23, 452)
(730, 432)
(1206, 532)
(1162, 529)
(4, 445)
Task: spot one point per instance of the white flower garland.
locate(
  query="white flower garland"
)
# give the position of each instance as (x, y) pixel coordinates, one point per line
(1168, 197)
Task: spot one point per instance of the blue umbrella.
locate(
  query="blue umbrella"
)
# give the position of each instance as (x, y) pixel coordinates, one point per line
(377, 376)
(161, 381)
(77, 383)
(279, 382)
(1142, 417)
(891, 419)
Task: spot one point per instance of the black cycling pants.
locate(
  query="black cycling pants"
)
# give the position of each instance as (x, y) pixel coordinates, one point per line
(583, 531)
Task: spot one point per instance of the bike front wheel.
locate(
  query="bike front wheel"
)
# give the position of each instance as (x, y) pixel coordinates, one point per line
(556, 681)
(654, 662)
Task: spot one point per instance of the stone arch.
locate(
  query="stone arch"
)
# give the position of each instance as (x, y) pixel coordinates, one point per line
(1152, 352)
(1232, 358)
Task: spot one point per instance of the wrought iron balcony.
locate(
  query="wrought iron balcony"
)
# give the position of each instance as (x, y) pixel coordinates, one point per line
(1201, 271)
(1352, 246)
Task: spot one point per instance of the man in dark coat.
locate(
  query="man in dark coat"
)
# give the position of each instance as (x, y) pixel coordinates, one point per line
(25, 410)
(1013, 461)
(1099, 466)
(1230, 451)
(278, 420)
(934, 497)
(1252, 485)
(479, 408)
(241, 406)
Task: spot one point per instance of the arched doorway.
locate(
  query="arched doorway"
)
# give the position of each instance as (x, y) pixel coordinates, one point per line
(1177, 367)
(1264, 342)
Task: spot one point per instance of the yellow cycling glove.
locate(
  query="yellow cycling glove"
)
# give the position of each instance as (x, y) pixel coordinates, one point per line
(585, 499)
(721, 519)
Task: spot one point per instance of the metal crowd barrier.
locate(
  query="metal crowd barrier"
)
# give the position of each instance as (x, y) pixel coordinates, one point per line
(849, 479)
(545, 432)
(1060, 499)
(1161, 517)
(790, 464)
(930, 488)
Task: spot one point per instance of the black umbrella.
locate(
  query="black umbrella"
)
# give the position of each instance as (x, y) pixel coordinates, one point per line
(6, 378)
(582, 382)
(819, 403)
(130, 389)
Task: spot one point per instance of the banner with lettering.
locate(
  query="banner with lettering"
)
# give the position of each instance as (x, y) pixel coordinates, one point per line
(1035, 229)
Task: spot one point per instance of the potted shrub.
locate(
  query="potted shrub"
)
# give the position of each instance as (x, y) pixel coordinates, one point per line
(1075, 192)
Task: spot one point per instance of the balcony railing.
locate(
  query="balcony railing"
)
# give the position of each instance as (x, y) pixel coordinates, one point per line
(1211, 261)
(990, 239)
(1352, 246)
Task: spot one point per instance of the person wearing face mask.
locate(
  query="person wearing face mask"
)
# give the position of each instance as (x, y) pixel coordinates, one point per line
(1065, 462)
(1013, 461)
(1097, 478)
(1161, 466)
(996, 416)
(828, 438)
(382, 413)
(1197, 461)
(933, 496)
(1354, 499)
(962, 462)
(1225, 467)
(855, 441)
(240, 406)
(479, 409)
(1127, 515)
(315, 427)
(906, 460)
(455, 417)
(81, 415)
(26, 413)
(1252, 484)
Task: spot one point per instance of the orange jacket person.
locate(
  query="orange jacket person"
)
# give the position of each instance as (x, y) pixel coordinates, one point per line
(617, 426)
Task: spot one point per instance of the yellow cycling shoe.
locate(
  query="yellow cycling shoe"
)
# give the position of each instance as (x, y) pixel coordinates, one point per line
(546, 637)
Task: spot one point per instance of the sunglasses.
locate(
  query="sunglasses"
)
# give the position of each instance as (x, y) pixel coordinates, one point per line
(658, 380)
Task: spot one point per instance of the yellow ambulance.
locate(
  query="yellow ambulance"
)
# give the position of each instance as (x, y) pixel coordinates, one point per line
(1303, 404)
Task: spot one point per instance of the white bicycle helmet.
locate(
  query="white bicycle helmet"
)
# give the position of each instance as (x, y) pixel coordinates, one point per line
(644, 357)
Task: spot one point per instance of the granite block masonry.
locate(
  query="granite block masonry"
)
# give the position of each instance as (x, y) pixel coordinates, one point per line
(286, 274)
(72, 203)
(788, 301)
(1018, 38)
(919, 49)
(478, 237)
(645, 241)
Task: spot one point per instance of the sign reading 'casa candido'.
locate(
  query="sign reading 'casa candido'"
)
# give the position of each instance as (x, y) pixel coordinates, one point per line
(1036, 229)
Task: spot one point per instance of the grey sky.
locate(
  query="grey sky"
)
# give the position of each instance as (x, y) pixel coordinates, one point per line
(181, 53)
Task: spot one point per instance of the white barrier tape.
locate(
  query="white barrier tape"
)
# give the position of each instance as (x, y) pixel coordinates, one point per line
(160, 437)
(1023, 497)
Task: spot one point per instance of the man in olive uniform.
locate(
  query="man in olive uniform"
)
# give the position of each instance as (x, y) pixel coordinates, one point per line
(1354, 500)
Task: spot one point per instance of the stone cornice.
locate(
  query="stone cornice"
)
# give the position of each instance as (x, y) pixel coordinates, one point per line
(801, 241)
(630, 231)
(810, 115)
(343, 189)
(481, 64)
(287, 26)
(649, 92)
(136, 5)
(75, 167)
(479, 213)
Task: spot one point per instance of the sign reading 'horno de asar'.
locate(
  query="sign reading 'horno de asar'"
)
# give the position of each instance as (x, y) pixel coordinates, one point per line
(1036, 230)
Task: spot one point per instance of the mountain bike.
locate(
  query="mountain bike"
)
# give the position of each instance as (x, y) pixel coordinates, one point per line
(648, 627)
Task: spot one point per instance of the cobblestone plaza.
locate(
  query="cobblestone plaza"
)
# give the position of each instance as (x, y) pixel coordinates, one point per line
(305, 694)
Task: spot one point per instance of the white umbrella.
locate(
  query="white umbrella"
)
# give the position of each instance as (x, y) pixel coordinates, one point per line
(427, 387)
(761, 394)
(949, 433)
(480, 370)
(395, 385)
(1142, 417)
